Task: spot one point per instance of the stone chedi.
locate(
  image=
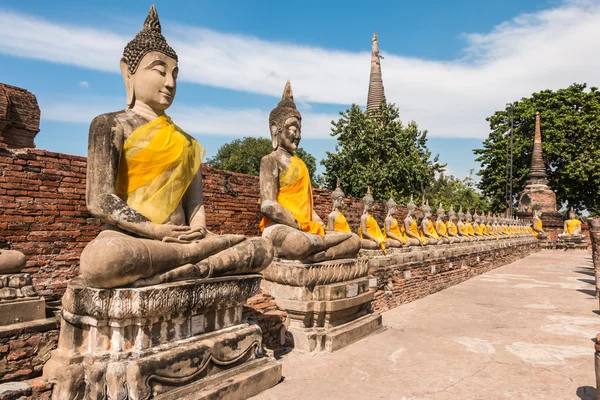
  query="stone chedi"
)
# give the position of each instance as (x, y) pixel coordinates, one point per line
(392, 230)
(158, 308)
(336, 221)
(441, 226)
(376, 92)
(427, 225)
(371, 237)
(315, 276)
(410, 225)
(19, 301)
(572, 229)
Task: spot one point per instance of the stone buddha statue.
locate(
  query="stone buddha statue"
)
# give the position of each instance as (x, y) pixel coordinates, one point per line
(463, 230)
(289, 220)
(478, 227)
(394, 235)
(537, 226)
(145, 182)
(336, 221)
(441, 226)
(469, 224)
(572, 228)
(410, 224)
(489, 229)
(371, 237)
(451, 227)
(428, 227)
(11, 261)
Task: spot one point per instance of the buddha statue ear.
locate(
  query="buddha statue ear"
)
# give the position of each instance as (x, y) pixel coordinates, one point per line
(274, 137)
(127, 78)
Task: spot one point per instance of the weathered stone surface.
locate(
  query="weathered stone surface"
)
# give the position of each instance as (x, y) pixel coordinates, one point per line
(22, 309)
(294, 273)
(14, 390)
(19, 117)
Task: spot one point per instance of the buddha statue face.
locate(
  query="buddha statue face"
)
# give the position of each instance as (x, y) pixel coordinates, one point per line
(154, 83)
(338, 202)
(289, 137)
(285, 122)
(572, 214)
(369, 204)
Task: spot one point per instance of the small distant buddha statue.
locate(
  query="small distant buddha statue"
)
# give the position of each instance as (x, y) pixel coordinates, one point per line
(286, 202)
(144, 182)
(11, 261)
(470, 227)
(488, 225)
(451, 227)
(428, 227)
(410, 224)
(336, 221)
(369, 232)
(478, 228)
(572, 228)
(441, 226)
(392, 231)
(463, 230)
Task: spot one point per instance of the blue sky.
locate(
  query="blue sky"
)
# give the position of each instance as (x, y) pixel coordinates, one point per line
(447, 65)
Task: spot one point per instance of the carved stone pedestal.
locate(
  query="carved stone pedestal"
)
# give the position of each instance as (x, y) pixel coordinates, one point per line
(168, 341)
(19, 302)
(328, 303)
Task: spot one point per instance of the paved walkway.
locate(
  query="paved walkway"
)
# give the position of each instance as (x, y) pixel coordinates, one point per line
(522, 331)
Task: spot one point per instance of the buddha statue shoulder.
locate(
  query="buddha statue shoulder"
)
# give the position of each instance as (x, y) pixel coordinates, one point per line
(289, 219)
(410, 226)
(428, 227)
(572, 228)
(336, 221)
(392, 232)
(144, 182)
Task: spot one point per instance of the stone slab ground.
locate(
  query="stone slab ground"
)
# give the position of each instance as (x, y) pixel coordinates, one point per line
(522, 331)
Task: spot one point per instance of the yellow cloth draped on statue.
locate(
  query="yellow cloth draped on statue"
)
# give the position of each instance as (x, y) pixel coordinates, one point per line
(452, 227)
(484, 230)
(341, 224)
(440, 226)
(479, 230)
(463, 229)
(415, 230)
(372, 228)
(470, 229)
(431, 230)
(158, 163)
(295, 194)
(572, 224)
(395, 230)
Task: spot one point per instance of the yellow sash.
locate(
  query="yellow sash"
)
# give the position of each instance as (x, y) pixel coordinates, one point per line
(340, 224)
(431, 230)
(451, 227)
(395, 230)
(470, 229)
(295, 194)
(484, 230)
(463, 229)
(374, 230)
(571, 225)
(441, 226)
(413, 228)
(158, 163)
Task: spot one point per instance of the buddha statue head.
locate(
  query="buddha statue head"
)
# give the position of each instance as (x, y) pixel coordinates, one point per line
(451, 214)
(426, 209)
(368, 200)
(461, 214)
(476, 218)
(572, 214)
(285, 122)
(149, 68)
(468, 216)
(411, 207)
(440, 212)
(337, 196)
(391, 206)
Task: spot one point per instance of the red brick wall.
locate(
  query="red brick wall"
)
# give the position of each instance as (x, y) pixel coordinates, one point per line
(42, 198)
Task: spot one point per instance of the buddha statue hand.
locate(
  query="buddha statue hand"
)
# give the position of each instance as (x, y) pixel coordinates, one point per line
(177, 233)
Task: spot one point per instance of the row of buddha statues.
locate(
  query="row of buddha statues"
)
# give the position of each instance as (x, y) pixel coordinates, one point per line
(144, 182)
(446, 229)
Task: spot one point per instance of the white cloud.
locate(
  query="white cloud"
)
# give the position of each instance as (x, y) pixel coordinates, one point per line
(84, 84)
(548, 49)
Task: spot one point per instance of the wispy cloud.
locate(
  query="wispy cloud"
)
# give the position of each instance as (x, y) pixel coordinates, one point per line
(548, 49)
(84, 84)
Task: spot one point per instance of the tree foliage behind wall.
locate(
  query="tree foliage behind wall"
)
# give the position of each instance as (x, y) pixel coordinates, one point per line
(570, 123)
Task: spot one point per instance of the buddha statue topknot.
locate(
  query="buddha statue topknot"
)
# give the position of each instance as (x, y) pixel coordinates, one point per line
(145, 182)
(289, 220)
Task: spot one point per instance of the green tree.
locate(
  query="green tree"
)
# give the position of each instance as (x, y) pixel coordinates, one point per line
(570, 119)
(244, 155)
(450, 190)
(379, 151)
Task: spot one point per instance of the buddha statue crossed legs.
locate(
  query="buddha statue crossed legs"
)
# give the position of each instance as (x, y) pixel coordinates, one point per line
(145, 182)
(289, 220)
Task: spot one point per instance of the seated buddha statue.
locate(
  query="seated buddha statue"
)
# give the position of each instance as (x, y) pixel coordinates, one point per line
(371, 237)
(144, 182)
(470, 227)
(410, 224)
(572, 228)
(478, 227)
(392, 231)
(489, 225)
(286, 202)
(336, 221)
(441, 226)
(11, 261)
(463, 230)
(451, 226)
(428, 227)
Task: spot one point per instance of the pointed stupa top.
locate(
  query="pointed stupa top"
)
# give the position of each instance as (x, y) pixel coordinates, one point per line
(537, 172)
(376, 92)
